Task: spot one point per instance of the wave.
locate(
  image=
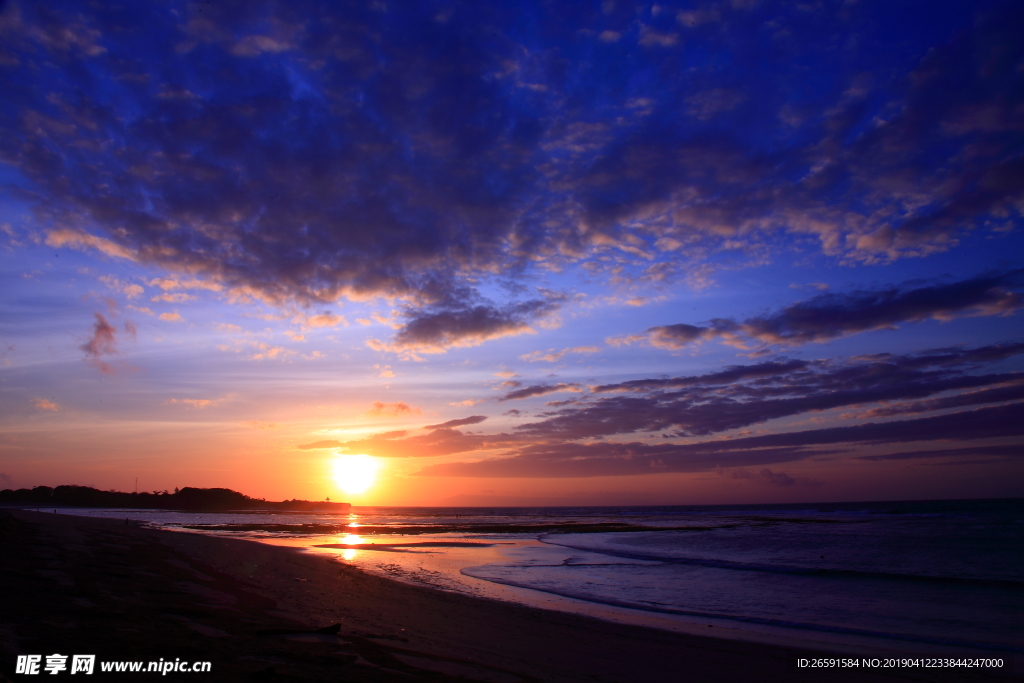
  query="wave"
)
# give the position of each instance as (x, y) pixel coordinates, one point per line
(1008, 584)
(762, 621)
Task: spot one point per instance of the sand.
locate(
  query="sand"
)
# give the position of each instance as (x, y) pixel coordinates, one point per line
(81, 585)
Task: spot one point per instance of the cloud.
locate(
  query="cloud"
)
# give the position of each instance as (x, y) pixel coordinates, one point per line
(596, 459)
(174, 317)
(43, 404)
(329, 443)
(552, 356)
(102, 343)
(668, 336)
(174, 298)
(651, 38)
(257, 424)
(709, 103)
(379, 409)
(1011, 391)
(169, 283)
(830, 316)
(767, 476)
(744, 395)
(425, 161)
(471, 420)
(325, 319)
(130, 290)
(76, 239)
(440, 441)
(468, 403)
(1008, 450)
(734, 373)
(436, 330)
(540, 390)
(265, 351)
(197, 402)
(700, 405)
(606, 459)
(6, 479)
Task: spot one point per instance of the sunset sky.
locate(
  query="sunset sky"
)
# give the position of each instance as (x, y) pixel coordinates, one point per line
(520, 253)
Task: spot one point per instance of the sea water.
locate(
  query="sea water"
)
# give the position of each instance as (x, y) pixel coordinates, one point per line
(918, 575)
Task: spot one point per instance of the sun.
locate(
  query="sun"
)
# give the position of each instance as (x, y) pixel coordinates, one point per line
(355, 473)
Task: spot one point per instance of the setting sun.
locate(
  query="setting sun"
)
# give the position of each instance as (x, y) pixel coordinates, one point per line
(355, 473)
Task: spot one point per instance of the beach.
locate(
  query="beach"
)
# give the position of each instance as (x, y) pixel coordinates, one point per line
(77, 585)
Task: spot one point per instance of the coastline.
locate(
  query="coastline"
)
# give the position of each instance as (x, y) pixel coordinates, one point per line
(98, 586)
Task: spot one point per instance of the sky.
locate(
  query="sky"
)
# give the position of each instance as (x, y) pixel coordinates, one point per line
(576, 253)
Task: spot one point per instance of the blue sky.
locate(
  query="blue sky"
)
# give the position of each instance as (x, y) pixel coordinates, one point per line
(538, 253)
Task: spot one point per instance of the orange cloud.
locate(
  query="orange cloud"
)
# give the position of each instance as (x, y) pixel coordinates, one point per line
(379, 409)
(76, 239)
(195, 402)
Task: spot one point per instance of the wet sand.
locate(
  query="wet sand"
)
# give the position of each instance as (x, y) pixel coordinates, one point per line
(81, 585)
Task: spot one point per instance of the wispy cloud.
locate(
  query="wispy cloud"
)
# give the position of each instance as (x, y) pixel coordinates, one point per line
(43, 404)
(553, 356)
(379, 409)
(451, 424)
(540, 390)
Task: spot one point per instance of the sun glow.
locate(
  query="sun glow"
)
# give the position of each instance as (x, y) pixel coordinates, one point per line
(355, 473)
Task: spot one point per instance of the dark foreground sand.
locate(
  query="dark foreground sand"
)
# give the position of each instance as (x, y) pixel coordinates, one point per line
(79, 585)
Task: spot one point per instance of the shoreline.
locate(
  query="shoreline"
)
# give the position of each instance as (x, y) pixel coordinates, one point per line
(132, 593)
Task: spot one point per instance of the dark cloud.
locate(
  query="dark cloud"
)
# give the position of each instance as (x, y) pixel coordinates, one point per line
(1009, 450)
(740, 396)
(439, 328)
(102, 343)
(562, 443)
(562, 460)
(540, 390)
(304, 151)
(471, 420)
(567, 459)
(1011, 392)
(735, 373)
(440, 441)
(830, 316)
(767, 476)
(732, 398)
(988, 423)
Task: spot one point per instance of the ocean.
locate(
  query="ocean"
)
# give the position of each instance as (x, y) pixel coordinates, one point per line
(907, 577)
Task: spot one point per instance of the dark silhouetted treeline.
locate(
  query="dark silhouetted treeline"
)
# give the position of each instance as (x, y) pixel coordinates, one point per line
(187, 498)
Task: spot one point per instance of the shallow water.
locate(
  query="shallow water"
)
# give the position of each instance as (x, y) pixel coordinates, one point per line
(917, 576)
